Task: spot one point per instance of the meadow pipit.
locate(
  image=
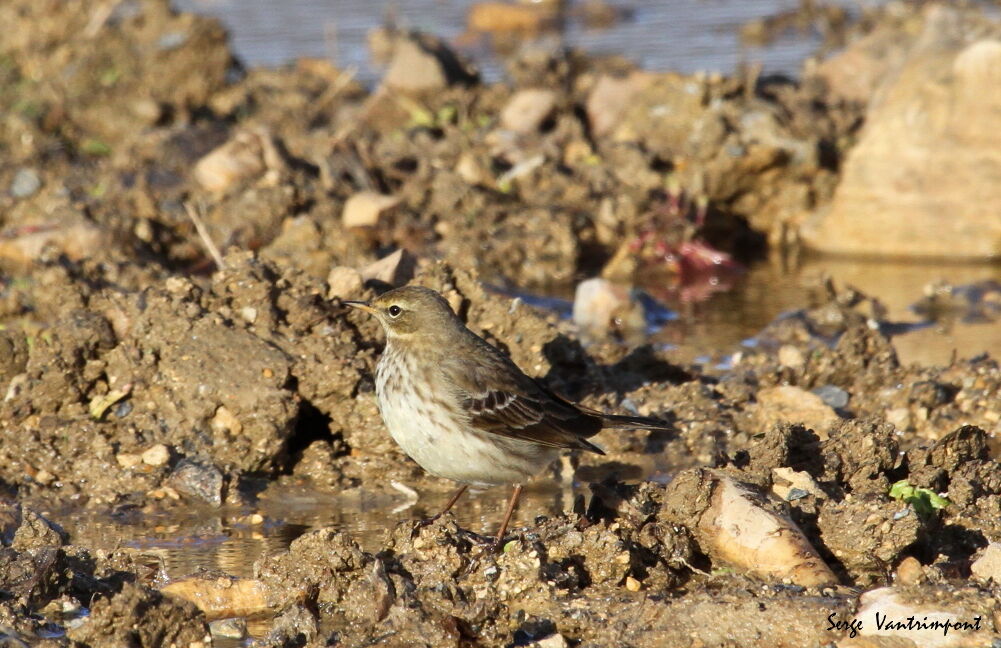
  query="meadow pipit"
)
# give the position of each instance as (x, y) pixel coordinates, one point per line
(463, 410)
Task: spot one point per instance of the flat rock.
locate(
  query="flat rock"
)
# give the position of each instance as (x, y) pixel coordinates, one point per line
(895, 608)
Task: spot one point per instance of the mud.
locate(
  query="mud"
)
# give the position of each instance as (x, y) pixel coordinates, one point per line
(143, 377)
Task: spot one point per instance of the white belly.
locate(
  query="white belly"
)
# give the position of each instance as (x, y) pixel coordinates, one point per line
(444, 444)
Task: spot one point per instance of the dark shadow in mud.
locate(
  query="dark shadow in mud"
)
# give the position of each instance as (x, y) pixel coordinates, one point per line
(311, 425)
(611, 470)
(956, 544)
(575, 375)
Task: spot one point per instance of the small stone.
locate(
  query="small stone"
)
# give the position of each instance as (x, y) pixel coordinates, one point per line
(791, 357)
(988, 565)
(44, 477)
(128, 460)
(239, 159)
(470, 170)
(789, 404)
(632, 584)
(229, 628)
(601, 306)
(832, 396)
(365, 208)
(344, 282)
(256, 519)
(414, 68)
(157, 455)
(526, 110)
(147, 109)
(396, 269)
(900, 417)
(225, 421)
(198, 481)
(421, 62)
(909, 571)
(795, 484)
(172, 40)
(179, 286)
(249, 314)
(552, 641)
(610, 98)
(26, 183)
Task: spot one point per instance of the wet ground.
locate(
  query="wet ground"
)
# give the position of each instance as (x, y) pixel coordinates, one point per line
(189, 426)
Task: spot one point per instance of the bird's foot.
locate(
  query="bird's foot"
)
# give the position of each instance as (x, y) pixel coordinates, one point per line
(420, 524)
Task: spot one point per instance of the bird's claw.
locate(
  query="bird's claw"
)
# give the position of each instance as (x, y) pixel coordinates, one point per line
(420, 524)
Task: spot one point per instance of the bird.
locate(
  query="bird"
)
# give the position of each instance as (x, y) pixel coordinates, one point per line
(462, 409)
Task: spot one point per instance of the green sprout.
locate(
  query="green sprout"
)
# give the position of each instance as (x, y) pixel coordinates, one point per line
(924, 501)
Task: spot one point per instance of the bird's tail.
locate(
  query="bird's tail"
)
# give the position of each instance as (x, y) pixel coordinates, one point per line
(620, 422)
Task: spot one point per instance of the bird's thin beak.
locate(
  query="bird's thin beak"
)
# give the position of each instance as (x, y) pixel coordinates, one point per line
(360, 305)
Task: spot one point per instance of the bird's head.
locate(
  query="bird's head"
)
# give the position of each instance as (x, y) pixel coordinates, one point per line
(410, 312)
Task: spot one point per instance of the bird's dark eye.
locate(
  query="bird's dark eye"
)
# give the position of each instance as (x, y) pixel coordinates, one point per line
(394, 311)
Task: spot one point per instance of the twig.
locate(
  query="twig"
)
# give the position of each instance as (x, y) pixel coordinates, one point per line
(204, 234)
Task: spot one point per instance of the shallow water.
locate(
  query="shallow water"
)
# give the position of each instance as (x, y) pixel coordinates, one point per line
(682, 35)
(716, 328)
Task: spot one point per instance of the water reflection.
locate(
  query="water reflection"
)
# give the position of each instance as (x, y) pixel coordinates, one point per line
(185, 540)
(715, 328)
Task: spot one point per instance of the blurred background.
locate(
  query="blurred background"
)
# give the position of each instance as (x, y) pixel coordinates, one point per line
(683, 35)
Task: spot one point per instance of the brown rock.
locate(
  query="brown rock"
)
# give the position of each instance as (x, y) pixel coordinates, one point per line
(894, 606)
(924, 180)
(365, 207)
(601, 307)
(156, 455)
(500, 17)
(988, 565)
(344, 282)
(220, 598)
(527, 109)
(396, 269)
(609, 99)
(788, 404)
(247, 155)
(78, 239)
(909, 571)
(421, 63)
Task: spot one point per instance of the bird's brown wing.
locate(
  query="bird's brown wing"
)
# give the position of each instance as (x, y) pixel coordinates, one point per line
(500, 399)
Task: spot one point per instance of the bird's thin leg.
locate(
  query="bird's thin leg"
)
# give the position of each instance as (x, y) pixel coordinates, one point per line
(452, 500)
(448, 506)
(510, 511)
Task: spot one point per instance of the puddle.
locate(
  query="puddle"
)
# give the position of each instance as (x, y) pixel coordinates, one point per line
(718, 326)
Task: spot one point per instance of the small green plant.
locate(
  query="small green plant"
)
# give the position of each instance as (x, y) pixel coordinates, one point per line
(94, 146)
(924, 501)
